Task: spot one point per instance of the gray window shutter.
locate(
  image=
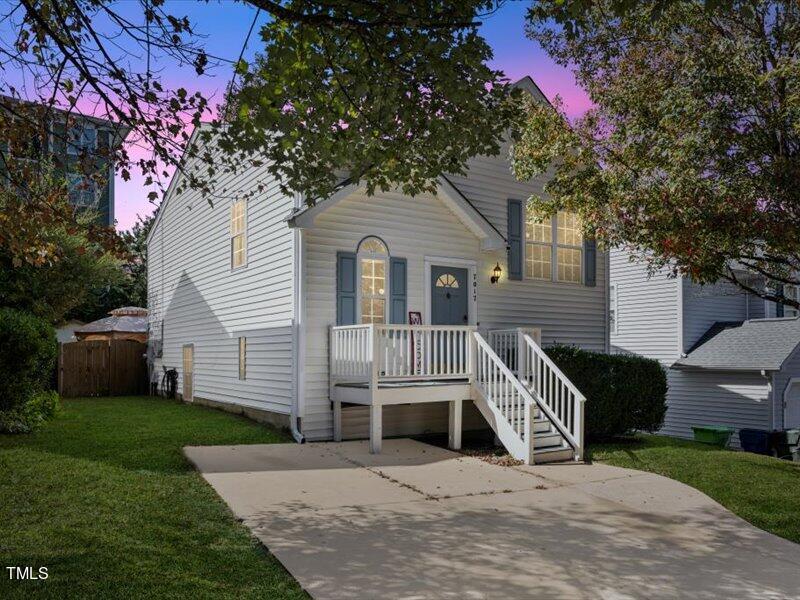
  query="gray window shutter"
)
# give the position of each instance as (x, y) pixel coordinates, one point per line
(779, 308)
(398, 278)
(590, 259)
(345, 288)
(515, 239)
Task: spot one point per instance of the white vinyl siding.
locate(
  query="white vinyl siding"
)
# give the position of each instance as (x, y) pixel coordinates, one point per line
(613, 311)
(704, 305)
(200, 300)
(792, 292)
(567, 314)
(736, 399)
(781, 379)
(647, 311)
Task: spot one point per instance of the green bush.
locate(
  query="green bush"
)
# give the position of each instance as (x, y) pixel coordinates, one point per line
(28, 351)
(624, 393)
(24, 419)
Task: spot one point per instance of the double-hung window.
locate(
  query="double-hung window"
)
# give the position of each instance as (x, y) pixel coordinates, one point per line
(373, 267)
(554, 248)
(238, 234)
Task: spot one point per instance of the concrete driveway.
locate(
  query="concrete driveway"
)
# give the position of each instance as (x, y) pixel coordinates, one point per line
(422, 522)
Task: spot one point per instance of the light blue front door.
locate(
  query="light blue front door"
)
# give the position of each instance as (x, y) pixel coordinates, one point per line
(449, 295)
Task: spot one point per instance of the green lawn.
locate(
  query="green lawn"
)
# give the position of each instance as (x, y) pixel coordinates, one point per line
(762, 490)
(103, 497)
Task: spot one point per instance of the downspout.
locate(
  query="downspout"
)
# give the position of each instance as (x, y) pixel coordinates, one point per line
(299, 339)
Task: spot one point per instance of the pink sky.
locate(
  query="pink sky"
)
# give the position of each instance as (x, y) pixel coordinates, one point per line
(226, 23)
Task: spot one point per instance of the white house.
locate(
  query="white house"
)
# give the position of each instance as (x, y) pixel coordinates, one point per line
(302, 315)
(731, 358)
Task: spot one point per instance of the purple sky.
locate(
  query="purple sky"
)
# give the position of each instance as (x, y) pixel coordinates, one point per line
(226, 23)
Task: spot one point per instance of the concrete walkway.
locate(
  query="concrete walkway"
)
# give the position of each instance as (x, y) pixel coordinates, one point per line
(421, 522)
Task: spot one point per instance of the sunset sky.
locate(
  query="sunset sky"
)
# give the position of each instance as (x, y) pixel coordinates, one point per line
(225, 24)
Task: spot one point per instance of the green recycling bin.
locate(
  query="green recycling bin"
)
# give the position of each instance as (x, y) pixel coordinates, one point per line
(717, 435)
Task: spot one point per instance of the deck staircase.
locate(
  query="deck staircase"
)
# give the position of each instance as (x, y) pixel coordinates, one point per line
(534, 410)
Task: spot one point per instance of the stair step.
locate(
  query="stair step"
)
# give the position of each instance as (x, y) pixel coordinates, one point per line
(547, 440)
(555, 454)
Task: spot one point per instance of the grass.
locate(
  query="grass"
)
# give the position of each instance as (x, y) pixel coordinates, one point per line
(762, 490)
(103, 497)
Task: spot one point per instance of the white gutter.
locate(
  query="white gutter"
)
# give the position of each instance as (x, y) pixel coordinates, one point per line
(297, 335)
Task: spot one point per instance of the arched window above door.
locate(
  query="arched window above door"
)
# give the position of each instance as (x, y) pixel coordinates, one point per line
(372, 245)
(447, 280)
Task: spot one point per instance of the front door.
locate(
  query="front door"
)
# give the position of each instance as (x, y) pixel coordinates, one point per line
(449, 296)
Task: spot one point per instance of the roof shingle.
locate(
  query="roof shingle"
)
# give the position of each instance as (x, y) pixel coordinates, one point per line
(759, 344)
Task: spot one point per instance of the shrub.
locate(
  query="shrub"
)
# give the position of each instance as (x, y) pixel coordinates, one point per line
(624, 393)
(28, 351)
(24, 419)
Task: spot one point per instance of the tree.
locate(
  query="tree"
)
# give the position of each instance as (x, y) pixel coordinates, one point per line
(130, 289)
(51, 254)
(392, 92)
(690, 156)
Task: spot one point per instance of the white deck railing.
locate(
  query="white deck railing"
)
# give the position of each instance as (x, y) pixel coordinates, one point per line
(392, 352)
(555, 394)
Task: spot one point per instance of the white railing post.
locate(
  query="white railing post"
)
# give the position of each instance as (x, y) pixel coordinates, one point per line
(579, 423)
(472, 347)
(528, 433)
(331, 361)
(375, 359)
(522, 371)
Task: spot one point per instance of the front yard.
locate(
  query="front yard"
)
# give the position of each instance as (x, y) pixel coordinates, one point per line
(762, 490)
(103, 497)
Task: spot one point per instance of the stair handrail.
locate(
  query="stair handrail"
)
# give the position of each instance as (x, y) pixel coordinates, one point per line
(576, 437)
(503, 368)
(525, 395)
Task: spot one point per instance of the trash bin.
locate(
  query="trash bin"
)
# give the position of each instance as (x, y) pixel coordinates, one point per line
(718, 435)
(755, 440)
(793, 437)
(783, 444)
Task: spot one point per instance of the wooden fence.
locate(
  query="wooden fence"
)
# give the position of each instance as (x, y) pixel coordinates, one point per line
(102, 368)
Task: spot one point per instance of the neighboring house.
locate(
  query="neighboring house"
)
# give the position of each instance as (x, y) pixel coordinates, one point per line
(66, 333)
(301, 315)
(730, 356)
(126, 323)
(79, 147)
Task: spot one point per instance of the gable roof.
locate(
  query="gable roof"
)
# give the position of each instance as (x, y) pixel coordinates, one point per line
(755, 345)
(176, 175)
(491, 239)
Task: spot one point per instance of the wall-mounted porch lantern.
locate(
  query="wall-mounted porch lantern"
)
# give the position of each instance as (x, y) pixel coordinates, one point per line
(496, 272)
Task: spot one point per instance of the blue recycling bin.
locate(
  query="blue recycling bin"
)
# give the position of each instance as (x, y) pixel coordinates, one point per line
(754, 440)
